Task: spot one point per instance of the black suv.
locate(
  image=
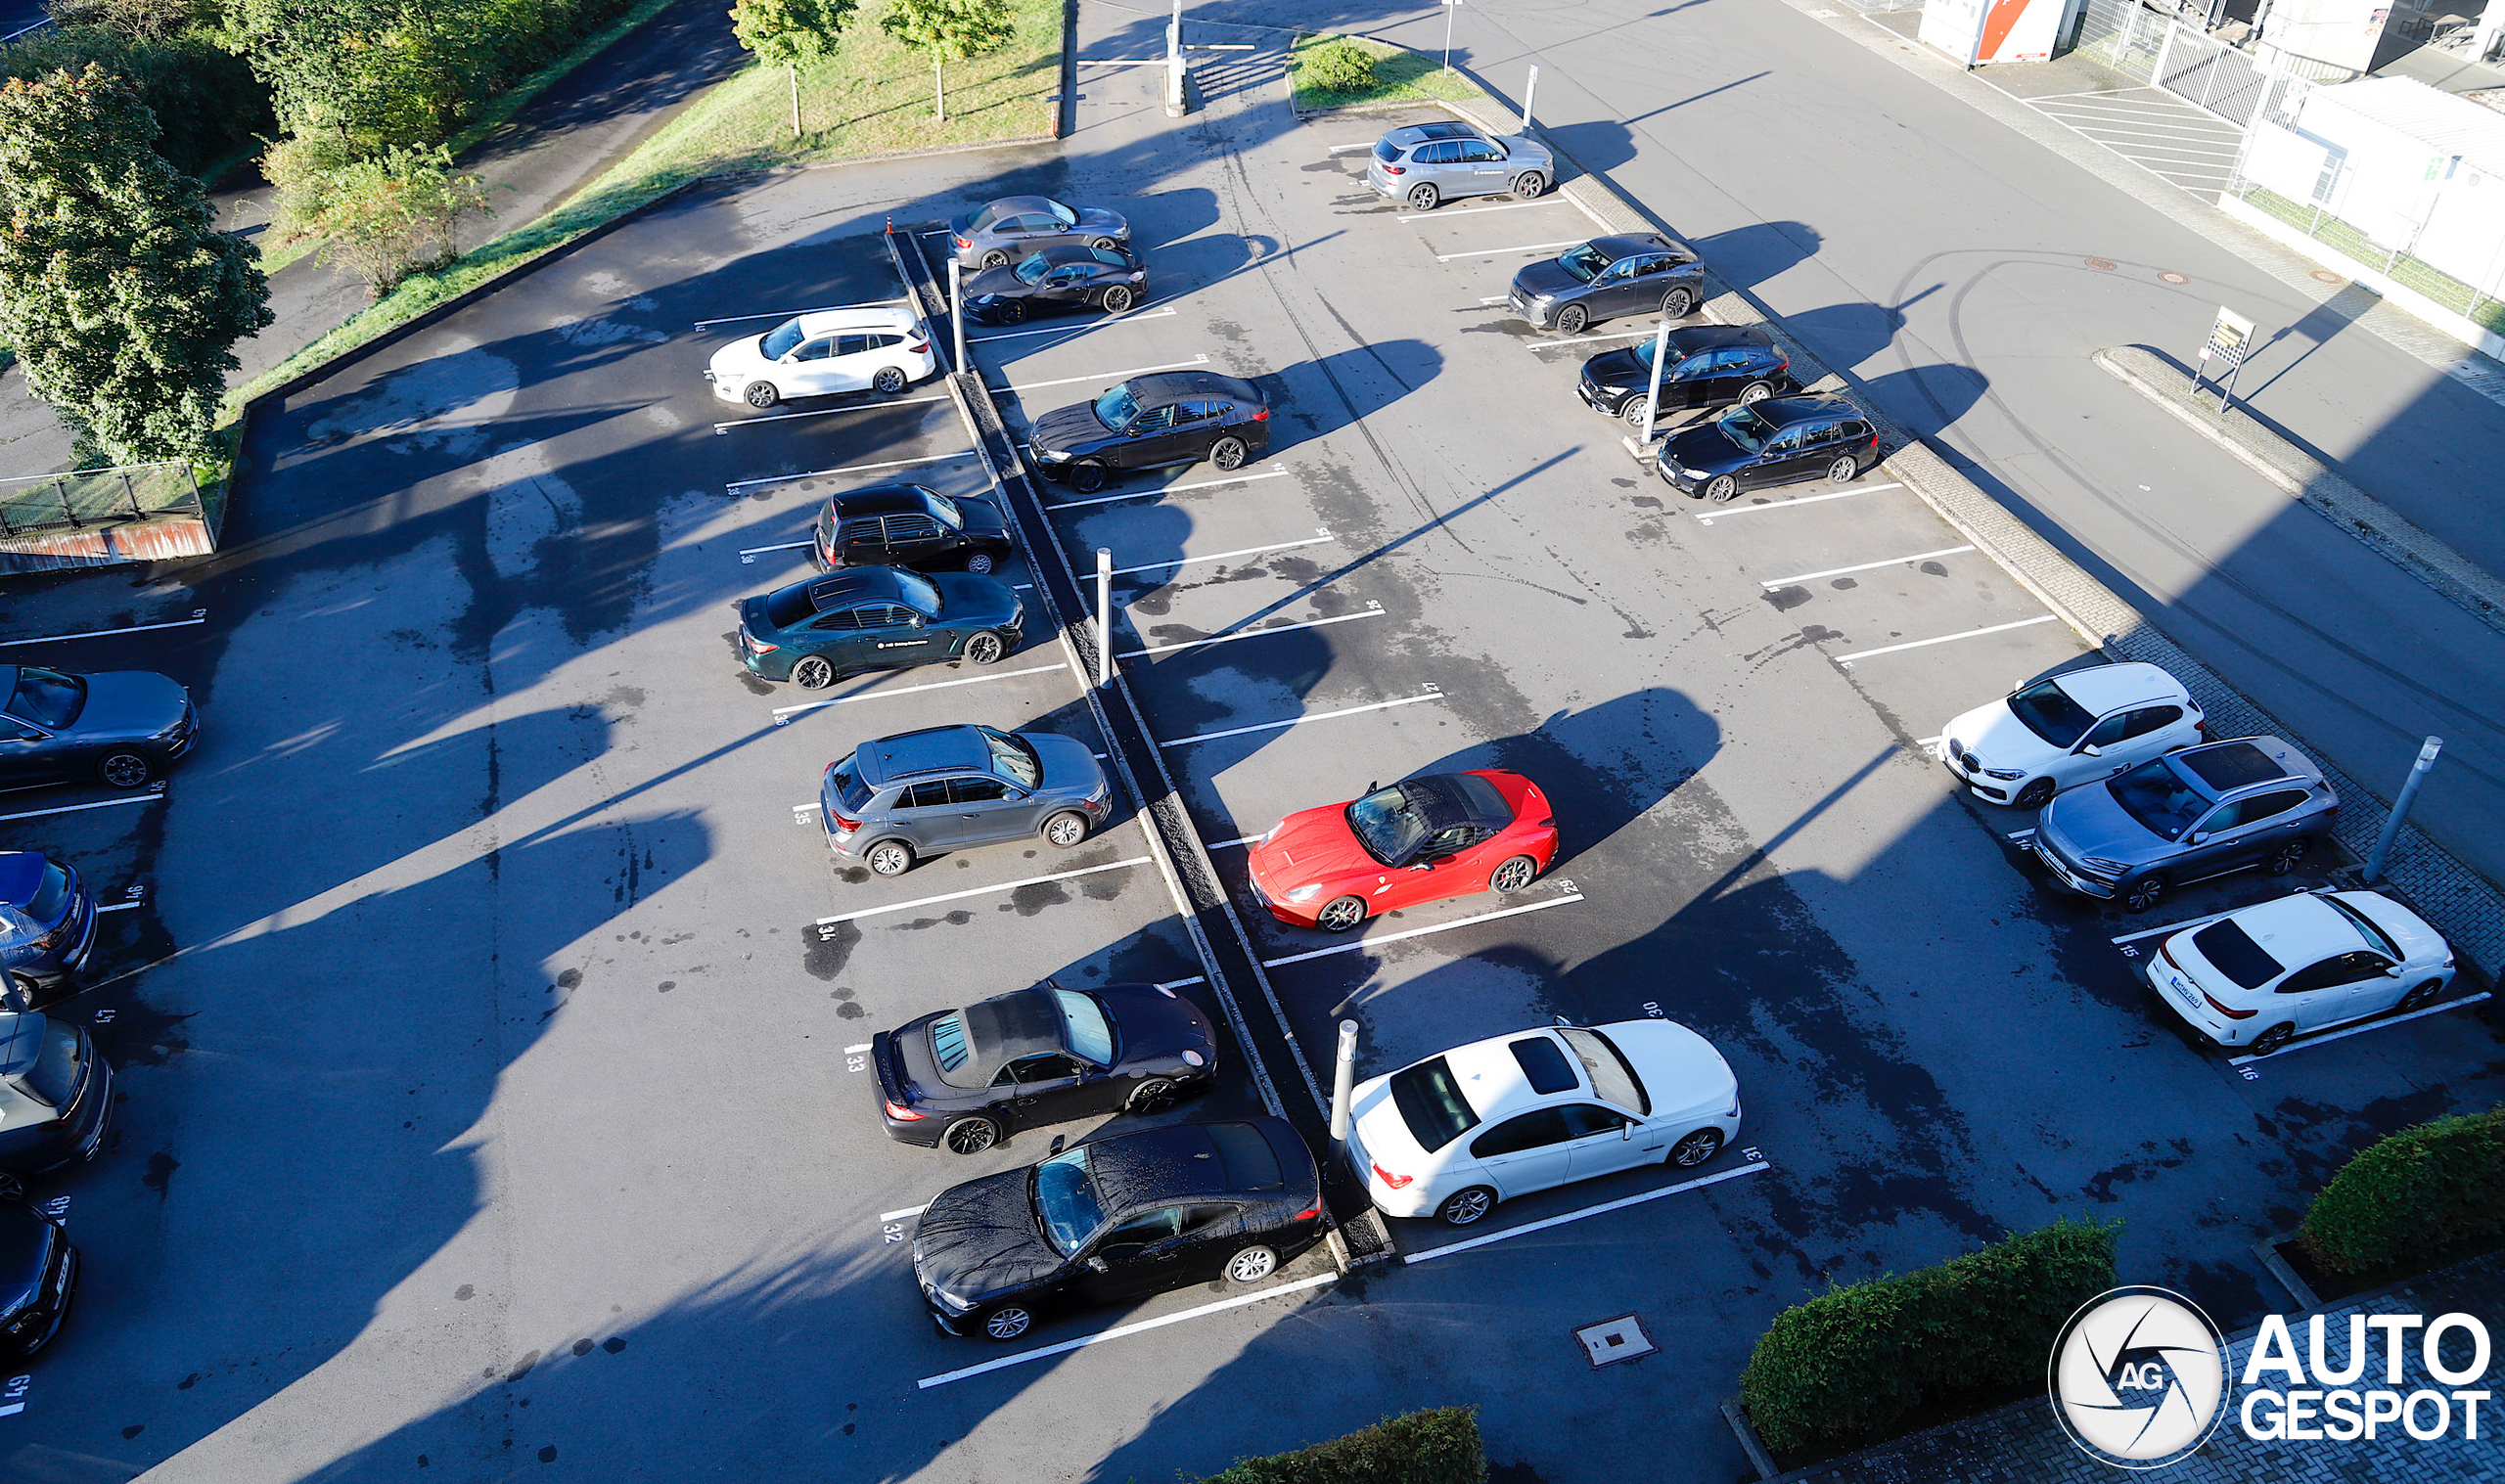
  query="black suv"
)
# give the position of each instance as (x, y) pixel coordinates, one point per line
(1708, 366)
(1782, 440)
(1153, 422)
(909, 526)
(1610, 276)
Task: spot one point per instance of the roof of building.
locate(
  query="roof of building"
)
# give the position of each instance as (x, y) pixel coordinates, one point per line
(2448, 124)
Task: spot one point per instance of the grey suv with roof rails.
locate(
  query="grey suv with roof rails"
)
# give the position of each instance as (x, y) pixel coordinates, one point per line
(1426, 165)
(2184, 817)
(1607, 276)
(892, 801)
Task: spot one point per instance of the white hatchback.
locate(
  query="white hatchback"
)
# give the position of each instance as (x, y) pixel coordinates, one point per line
(831, 350)
(2262, 975)
(2075, 728)
(1455, 1134)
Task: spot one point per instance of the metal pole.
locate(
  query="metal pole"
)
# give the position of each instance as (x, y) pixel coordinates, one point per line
(1529, 88)
(2400, 808)
(1449, 7)
(957, 308)
(1343, 1079)
(1653, 393)
(1104, 614)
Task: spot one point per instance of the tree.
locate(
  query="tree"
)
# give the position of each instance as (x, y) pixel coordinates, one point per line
(139, 19)
(122, 299)
(379, 72)
(790, 33)
(385, 217)
(950, 30)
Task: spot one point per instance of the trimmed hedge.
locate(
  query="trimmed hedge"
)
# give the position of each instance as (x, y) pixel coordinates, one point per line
(1437, 1446)
(1855, 1365)
(1339, 67)
(2416, 1192)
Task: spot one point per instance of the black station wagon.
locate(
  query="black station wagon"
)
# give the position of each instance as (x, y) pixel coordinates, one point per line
(909, 526)
(1709, 366)
(1783, 440)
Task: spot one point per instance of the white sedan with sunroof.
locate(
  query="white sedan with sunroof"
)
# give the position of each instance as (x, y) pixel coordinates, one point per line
(1455, 1134)
(2263, 975)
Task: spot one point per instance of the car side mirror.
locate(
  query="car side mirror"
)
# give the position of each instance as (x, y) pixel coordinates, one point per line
(1099, 1265)
(2199, 837)
(2090, 749)
(1057, 1140)
(916, 620)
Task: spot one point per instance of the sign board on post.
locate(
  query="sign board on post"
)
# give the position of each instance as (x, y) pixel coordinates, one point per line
(2230, 340)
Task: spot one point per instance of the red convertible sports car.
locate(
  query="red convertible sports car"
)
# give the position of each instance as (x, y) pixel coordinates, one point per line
(1420, 841)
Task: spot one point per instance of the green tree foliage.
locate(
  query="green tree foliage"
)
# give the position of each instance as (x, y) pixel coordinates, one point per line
(122, 299)
(790, 33)
(1339, 67)
(949, 31)
(206, 102)
(139, 20)
(1437, 1446)
(385, 215)
(2412, 1195)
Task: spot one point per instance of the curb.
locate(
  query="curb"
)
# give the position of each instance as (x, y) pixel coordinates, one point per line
(1750, 1443)
(2266, 1252)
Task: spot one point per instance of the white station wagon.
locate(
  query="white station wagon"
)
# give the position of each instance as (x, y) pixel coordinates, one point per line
(1455, 1134)
(830, 351)
(2262, 975)
(2073, 728)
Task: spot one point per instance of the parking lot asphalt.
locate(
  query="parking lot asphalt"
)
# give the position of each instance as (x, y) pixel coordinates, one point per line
(488, 1033)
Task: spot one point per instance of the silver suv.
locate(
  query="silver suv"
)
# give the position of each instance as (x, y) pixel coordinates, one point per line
(900, 798)
(2185, 817)
(1428, 164)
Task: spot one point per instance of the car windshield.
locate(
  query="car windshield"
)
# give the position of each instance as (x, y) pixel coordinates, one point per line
(2376, 938)
(1584, 262)
(1390, 823)
(1063, 214)
(1644, 357)
(17, 930)
(780, 338)
(53, 1078)
(916, 592)
(2049, 712)
(1612, 1077)
(2158, 796)
(1032, 269)
(2229, 947)
(985, 217)
(850, 791)
(1089, 1033)
(1746, 429)
(1430, 1103)
(1115, 408)
(48, 697)
(944, 508)
(789, 606)
(52, 894)
(1066, 1199)
(1012, 759)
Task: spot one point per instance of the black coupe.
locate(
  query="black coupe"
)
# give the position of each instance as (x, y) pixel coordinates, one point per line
(122, 727)
(1118, 1219)
(909, 526)
(1048, 1055)
(1153, 422)
(1110, 279)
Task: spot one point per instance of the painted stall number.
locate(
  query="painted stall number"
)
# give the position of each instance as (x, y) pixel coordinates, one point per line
(1567, 886)
(856, 1063)
(56, 1208)
(1751, 1153)
(827, 931)
(2250, 1075)
(2130, 952)
(1652, 1008)
(105, 1018)
(892, 1232)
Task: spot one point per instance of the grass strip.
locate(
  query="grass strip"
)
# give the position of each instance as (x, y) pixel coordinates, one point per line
(1401, 75)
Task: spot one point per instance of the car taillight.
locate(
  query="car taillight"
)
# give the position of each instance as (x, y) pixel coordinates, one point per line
(1260, 415)
(1549, 823)
(2232, 1014)
(1396, 1182)
(755, 645)
(1308, 1213)
(964, 242)
(845, 825)
(1395, 170)
(902, 1114)
(918, 346)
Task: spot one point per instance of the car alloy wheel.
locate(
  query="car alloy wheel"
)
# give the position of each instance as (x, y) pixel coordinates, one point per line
(1087, 477)
(1721, 488)
(124, 769)
(984, 647)
(890, 381)
(814, 672)
(1154, 1096)
(2144, 893)
(1007, 1323)
(2421, 995)
(1844, 471)
(1066, 828)
(971, 1136)
(2275, 1038)
(980, 564)
(1696, 1148)
(1340, 913)
(1467, 1206)
(1513, 875)
(1252, 1265)
(761, 396)
(1754, 394)
(995, 259)
(1228, 453)
(1011, 312)
(2035, 796)
(1423, 197)
(1116, 300)
(891, 858)
(1571, 319)
(1529, 184)
(1632, 410)
(1104, 245)
(2284, 859)
(1678, 303)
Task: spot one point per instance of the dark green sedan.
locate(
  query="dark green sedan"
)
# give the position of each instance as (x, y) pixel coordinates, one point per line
(875, 618)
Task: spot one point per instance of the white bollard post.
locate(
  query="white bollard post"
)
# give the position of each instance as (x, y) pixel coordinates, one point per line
(1653, 397)
(1530, 88)
(957, 308)
(2400, 808)
(1104, 614)
(1343, 1079)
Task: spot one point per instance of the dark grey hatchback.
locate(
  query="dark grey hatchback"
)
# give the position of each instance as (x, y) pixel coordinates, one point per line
(1607, 276)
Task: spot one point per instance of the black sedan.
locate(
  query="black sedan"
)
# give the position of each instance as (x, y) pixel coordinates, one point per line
(39, 1269)
(875, 618)
(122, 727)
(1780, 441)
(1057, 279)
(1610, 276)
(1116, 1219)
(964, 1077)
(1708, 366)
(1153, 422)
(909, 526)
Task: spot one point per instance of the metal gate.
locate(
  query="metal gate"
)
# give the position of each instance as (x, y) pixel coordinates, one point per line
(2211, 75)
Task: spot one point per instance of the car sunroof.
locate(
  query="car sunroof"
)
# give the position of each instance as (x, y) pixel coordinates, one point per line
(1544, 1064)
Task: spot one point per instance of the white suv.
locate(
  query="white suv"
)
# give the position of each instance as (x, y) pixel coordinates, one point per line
(2071, 728)
(830, 351)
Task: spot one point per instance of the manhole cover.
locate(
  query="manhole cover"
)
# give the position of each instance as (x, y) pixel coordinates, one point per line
(2103, 264)
(1612, 1340)
(2325, 275)
(2174, 278)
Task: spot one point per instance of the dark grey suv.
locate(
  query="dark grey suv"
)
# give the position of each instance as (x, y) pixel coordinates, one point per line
(900, 798)
(2185, 817)
(1607, 276)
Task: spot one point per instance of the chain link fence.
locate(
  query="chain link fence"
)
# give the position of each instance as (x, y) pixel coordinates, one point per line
(31, 503)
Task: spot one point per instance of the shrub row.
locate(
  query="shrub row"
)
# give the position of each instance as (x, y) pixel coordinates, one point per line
(2412, 1195)
(1436, 1446)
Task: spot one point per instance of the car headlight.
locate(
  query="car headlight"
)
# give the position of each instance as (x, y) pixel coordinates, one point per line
(1694, 473)
(954, 1303)
(2100, 863)
(1306, 893)
(2004, 774)
(1053, 454)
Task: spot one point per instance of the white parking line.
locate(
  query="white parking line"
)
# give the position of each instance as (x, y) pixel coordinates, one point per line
(784, 314)
(902, 1215)
(1529, 1227)
(1180, 983)
(2174, 928)
(750, 555)
(1122, 1331)
(1244, 550)
(1927, 743)
(1497, 299)
(150, 798)
(2300, 1042)
(977, 891)
(1837, 571)
(1073, 328)
(851, 469)
(1372, 610)
(824, 412)
(1343, 149)
(854, 1051)
(1709, 517)
(1644, 334)
(1445, 257)
(1169, 489)
(1108, 377)
(782, 712)
(1478, 210)
(1293, 721)
(1920, 644)
(1420, 932)
(1244, 840)
(136, 628)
